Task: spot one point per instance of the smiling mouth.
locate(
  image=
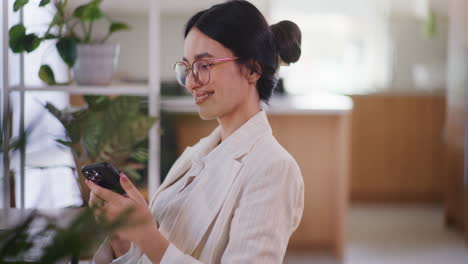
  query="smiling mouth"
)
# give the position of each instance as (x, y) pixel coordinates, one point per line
(202, 96)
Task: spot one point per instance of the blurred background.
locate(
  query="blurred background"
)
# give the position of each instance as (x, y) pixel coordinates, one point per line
(374, 112)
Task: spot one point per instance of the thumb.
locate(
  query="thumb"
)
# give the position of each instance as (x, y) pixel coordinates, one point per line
(129, 188)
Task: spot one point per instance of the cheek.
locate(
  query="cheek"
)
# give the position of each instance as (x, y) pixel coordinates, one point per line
(229, 84)
(228, 93)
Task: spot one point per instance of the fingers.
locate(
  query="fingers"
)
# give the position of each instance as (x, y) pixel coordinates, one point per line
(96, 204)
(95, 201)
(92, 199)
(130, 189)
(102, 193)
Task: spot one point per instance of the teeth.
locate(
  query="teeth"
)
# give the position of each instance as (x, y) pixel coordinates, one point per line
(203, 96)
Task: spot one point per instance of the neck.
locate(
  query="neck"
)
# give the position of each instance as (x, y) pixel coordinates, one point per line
(230, 122)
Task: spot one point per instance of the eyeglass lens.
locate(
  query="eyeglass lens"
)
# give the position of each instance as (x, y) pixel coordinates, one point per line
(201, 72)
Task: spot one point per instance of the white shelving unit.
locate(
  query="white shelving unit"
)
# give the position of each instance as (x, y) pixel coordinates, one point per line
(121, 89)
(151, 90)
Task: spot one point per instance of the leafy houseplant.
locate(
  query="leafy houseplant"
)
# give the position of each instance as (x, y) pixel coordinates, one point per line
(44, 239)
(108, 129)
(69, 29)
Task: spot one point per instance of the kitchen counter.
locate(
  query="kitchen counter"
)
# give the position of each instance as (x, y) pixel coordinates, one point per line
(320, 104)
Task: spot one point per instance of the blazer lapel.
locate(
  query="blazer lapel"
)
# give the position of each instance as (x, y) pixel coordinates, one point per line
(203, 203)
(184, 162)
(178, 169)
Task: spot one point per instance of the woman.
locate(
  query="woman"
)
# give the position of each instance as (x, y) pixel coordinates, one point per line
(237, 195)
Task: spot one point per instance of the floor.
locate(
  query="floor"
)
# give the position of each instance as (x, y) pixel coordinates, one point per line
(395, 235)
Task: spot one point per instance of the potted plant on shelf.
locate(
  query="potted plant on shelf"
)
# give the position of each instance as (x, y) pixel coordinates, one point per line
(92, 60)
(108, 129)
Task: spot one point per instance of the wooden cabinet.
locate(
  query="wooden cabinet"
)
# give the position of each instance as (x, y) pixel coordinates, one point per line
(397, 149)
(455, 191)
(319, 143)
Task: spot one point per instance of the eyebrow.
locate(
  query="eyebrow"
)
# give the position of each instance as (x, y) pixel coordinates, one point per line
(200, 56)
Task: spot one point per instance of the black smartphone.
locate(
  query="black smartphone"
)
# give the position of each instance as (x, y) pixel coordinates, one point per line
(104, 175)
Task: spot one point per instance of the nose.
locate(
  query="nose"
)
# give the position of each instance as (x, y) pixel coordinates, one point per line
(192, 83)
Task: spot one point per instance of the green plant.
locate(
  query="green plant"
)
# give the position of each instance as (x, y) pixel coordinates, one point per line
(108, 129)
(18, 142)
(63, 29)
(79, 237)
(430, 23)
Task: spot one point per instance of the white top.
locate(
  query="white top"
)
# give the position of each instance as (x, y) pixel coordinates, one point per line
(169, 201)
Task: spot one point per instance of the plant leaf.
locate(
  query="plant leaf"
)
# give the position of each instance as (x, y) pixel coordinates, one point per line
(15, 241)
(139, 127)
(67, 50)
(31, 42)
(63, 142)
(17, 34)
(54, 111)
(430, 25)
(47, 75)
(97, 103)
(79, 11)
(44, 2)
(140, 155)
(89, 12)
(19, 4)
(56, 20)
(117, 27)
(132, 173)
(122, 108)
(92, 128)
(50, 36)
(107, 129)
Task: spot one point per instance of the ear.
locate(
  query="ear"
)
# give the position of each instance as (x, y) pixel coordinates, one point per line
(253, 71)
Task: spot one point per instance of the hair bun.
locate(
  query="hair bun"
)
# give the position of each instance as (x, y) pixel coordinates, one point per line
(287, 37)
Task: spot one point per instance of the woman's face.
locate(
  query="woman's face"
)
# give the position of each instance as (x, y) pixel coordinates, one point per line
(228, 88)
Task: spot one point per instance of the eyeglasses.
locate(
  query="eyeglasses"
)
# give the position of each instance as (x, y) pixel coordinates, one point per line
(200, 70)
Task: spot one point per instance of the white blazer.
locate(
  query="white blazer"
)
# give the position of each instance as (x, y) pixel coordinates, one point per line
(244, 211)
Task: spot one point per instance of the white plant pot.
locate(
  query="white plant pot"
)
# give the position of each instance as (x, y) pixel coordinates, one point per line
(95, 63)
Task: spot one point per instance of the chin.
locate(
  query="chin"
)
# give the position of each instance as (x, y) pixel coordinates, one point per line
(207, 116)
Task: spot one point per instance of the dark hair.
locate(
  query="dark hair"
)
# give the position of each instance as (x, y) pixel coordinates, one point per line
(240, 27)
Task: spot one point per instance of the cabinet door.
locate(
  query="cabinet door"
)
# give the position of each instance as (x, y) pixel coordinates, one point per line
(456, 134)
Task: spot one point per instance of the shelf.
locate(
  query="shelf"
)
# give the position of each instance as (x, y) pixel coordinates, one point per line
(149, 10)
(121, 89)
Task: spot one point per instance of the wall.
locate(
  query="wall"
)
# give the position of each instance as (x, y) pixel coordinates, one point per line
(134, 46)
(133, 59)
(415, 54)
(408, 44)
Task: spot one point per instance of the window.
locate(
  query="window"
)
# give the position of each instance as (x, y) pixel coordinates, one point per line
(345, 45)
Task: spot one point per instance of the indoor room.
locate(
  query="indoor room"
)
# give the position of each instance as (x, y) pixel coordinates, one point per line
(213, 131)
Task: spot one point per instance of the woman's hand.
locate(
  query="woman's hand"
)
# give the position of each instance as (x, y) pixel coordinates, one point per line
(118, 245)
(140, 229)
(111, 205)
